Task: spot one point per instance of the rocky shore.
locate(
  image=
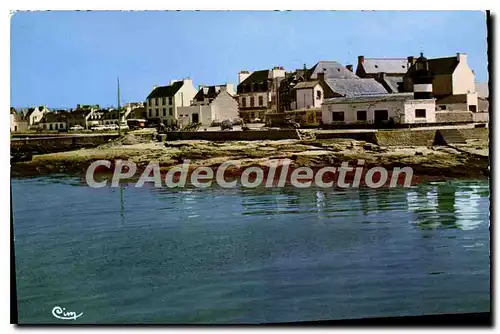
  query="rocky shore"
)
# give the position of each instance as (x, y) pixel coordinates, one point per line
(469, 160)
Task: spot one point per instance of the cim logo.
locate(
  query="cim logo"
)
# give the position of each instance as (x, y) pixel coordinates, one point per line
(61, 313)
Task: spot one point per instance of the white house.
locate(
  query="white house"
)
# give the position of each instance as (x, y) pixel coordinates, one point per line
(211, 103)
(379, 109)
(162, 103)
(18, 123)
(34, 115)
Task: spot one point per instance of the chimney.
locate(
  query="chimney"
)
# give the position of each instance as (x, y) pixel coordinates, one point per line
(230, 88)
(321, 76)
(277, 72)
(462, 57)
(361, 59)
(349, 67)
(411, 61)
(242, 76)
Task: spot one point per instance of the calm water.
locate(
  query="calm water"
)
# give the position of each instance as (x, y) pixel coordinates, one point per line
(248, 256)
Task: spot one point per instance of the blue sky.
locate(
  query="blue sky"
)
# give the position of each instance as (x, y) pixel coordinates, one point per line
(63, 58)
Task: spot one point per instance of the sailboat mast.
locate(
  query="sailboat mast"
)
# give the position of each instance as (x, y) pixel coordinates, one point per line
(119, 111)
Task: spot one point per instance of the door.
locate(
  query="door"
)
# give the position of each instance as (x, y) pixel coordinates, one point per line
(195, 118)
(381, 116)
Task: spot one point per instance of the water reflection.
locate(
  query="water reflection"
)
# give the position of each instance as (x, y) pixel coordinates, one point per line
(448, 205)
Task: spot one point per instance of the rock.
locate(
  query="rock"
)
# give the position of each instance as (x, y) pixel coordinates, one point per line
(370, 147)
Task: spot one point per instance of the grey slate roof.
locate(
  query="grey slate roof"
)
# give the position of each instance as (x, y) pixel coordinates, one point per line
(256, 77)
(393, 83)
(166, 91)
(306, 84)
(385, 65)
(371, 98)
(332, 69)
(51, 117)
(355, 87)
(209, 92)
(443, 65)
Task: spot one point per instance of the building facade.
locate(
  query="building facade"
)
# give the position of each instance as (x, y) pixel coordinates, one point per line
(453, 83)
(56, 120)
(162, 103)
(399, 108)
(211, 104)
(258, 92)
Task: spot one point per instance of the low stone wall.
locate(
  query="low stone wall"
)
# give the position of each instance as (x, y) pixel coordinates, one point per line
(405, 137)
(453, 116)
(475, 133)
(58, 144)
(479, 117)
(364, 136)
(232, 135)
(423, 137)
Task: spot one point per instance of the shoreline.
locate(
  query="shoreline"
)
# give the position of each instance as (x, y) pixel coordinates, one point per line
(469, 160)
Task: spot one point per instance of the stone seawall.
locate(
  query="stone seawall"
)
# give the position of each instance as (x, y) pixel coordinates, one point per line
(475, 133)
(364, 136)
(406, 138)
(454, 116)
(58, 144)
(424, 137)
(232, 135)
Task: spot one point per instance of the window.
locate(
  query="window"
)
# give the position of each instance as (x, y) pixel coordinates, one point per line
(170, 100)
(157, 101)
(473, 108)
(381, 116)
(164, 112)
(261, 101)
(151, 101)
(318, 95)
(252, 101)
(420, 113)
(243, 102)
(338, 116)
(171, 111)
(150, 113)
(361, 115)
(157, 112)
(164, 100)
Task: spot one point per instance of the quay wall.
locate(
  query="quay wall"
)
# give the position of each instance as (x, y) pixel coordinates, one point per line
(58, 144)
(232, 135)
(364, 136)
(423, 137)
(405, 137)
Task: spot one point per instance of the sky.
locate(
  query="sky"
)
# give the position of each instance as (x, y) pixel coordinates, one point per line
(64, 58)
